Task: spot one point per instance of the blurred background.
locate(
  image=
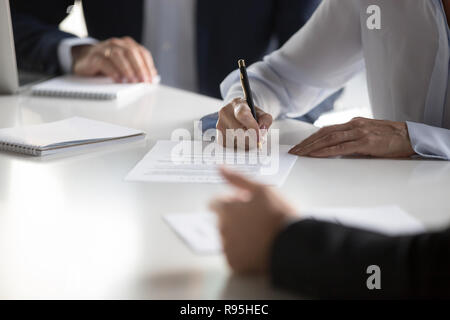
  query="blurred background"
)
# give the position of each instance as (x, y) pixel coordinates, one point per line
(354, 101)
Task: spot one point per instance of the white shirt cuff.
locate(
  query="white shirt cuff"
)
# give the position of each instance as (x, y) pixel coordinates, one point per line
(428, 141)
(65, 51)
(234, 92)
(231, 88)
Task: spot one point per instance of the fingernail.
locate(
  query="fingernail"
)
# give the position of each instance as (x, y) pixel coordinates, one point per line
(300, 152)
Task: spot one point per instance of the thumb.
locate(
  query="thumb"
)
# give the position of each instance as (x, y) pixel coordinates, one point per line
(244, 115)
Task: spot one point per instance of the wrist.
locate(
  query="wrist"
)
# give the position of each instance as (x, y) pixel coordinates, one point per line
(411, 150)
(283, 220)
(78, 52)
(279, 223)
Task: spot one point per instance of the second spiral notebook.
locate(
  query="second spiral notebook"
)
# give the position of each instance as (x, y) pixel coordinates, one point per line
(96, 88)
(64, 135)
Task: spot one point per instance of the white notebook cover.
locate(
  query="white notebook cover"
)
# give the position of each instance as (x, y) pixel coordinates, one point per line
(99, 88)
(57, 136)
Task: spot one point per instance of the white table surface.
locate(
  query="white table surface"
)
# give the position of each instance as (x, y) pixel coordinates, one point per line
(71, 227)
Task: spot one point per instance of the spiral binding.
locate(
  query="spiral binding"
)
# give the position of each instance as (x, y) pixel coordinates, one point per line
(73, 94)
(19, 148)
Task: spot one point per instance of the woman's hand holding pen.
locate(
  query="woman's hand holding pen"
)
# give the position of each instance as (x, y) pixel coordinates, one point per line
(237, 115)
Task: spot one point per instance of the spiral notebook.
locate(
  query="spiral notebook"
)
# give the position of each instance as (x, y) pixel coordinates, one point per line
(65, 135)
(97, 88)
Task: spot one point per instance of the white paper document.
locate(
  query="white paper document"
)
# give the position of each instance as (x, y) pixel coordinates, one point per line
(197, 162)
(389, 220)
(199, 230)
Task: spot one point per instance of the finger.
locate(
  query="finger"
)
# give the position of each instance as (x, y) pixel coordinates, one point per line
(217, 205)
(137, 58)
(107, 68)
(137, 63)
(149, 63)
(234, 132)
(331, 139)
(232, 123)
(240, 137)
(145, 55)
(129, 41)
(323, 132)
(244, 115)
(227, 124)
(227, 118)
(264, 119)
(221, 205)
(343, 149)
(238, 180)
(120, 61)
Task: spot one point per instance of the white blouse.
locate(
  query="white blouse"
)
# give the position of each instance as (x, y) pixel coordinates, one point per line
(407, 64)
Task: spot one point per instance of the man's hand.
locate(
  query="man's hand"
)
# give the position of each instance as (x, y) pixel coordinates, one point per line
(360, 136)
(123, 60)
(249, 222)
(237, 115)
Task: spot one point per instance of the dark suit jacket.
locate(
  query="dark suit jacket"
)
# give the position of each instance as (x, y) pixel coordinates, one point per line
(36, 33)
(226, 30)
(325, 260)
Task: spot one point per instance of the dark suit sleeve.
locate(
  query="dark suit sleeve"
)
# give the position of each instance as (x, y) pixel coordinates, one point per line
(320, 259)
(290, 16)
(36, 33)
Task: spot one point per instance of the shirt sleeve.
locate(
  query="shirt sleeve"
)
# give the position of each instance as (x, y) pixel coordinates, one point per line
(428, 141)
(65, 48)
(317, 61)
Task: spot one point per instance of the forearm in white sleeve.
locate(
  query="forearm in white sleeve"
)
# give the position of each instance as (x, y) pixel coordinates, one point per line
(65, 51)
(428, 141)
(263, 96)
(317, 61)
